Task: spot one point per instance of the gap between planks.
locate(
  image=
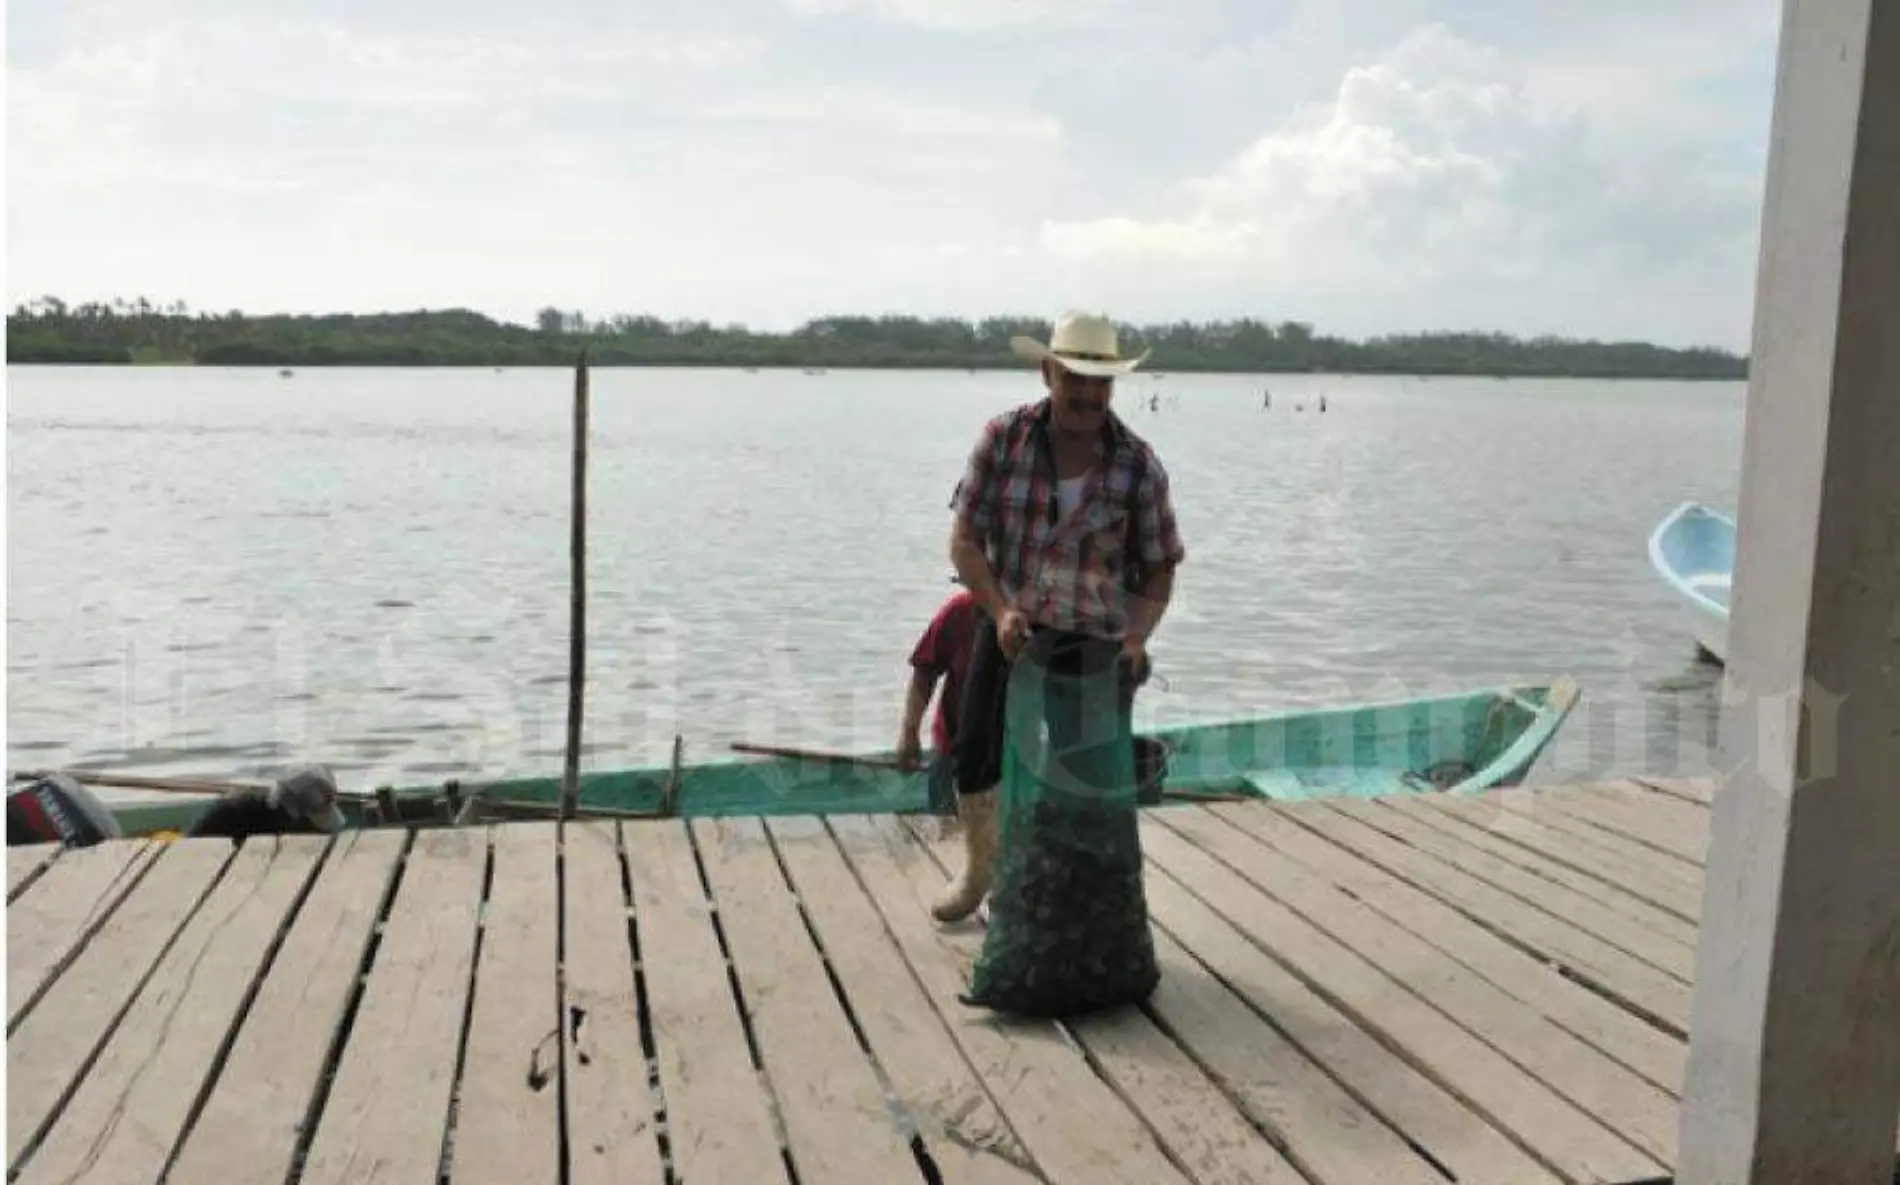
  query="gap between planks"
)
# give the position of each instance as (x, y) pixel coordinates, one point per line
(1655, 996)
(162, 1056)
(1495, 1055)
(1316, 1122)
(1200, 1126)
(50, 1052)
(1607, 1026)
(74, 896)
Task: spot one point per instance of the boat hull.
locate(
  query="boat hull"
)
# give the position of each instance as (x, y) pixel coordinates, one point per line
(1693, 551)
(1453, 744)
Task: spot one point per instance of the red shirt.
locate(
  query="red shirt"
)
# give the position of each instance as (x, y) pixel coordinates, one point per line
(944, 650)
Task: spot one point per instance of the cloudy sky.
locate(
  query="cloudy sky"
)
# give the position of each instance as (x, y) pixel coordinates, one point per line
(1368, 165)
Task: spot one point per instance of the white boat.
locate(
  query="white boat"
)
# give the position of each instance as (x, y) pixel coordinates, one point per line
(1693, 550)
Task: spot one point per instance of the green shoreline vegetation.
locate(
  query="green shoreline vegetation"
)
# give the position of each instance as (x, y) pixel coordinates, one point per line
(139, 332)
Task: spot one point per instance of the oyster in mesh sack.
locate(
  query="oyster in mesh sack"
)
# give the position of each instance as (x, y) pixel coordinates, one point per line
(1068, 930)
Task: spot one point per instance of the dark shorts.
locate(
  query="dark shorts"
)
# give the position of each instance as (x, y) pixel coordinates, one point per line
(978, 746)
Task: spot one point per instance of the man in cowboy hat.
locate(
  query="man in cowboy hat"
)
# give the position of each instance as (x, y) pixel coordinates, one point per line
(1064, 522)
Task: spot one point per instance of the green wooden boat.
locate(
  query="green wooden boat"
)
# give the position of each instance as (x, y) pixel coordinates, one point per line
(1457, 744)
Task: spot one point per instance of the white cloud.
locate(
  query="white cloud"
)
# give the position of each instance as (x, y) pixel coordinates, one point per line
(892, 119)
(1436, 167)
(1590, 170)
(970, 15)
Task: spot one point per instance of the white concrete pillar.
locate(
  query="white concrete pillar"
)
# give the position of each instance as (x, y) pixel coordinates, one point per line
(1794, 1062)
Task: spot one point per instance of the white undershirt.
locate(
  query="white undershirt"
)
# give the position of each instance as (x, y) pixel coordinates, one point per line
(1068, 493)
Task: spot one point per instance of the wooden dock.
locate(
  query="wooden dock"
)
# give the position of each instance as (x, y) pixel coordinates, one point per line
(1406, 991)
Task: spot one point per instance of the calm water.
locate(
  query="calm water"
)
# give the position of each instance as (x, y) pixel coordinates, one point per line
(214, 571)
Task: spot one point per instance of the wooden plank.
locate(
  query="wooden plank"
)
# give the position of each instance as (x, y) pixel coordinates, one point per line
(247, 1132)
(1628, 906)
(1073, 1125)
(1655, 1055)
(1520, 822)
(1610, 1094)
(936, 1091)
(612, 1119)
(132, 1107)
(46, 927)
(46, 1051)
(1403, 993)
(1675, 829)
(507, 1125)
(1205, 1129)
(1333, 1094)
(1648, 991)
(1587, 912)
(720, 1119)
(1697, 790)
(25, 860)
(836, 1123)
(1586, 836)
(1691, 820)
(389, 1102)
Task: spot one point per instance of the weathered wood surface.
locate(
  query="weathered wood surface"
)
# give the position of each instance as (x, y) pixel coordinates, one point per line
(1590, 912)
(69, 900)
(1490, 990)
(1613, 1030)
(1560, 940)
(612, 1116)
(24, 861)
(1199, 1123)
(133, 1104)
(388, 1108)
(836, 1124)
(248, 1130)
(721, 1118)
(1072, 1124)
(507, 1129)
(1544, 834)
(1399, 1005)
(940, 1097)
(49, 1046)
(1537, 1062)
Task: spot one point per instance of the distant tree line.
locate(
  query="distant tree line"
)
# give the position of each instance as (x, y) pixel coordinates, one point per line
(137, 331)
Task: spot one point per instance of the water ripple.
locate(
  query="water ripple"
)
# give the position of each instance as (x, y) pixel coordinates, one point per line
(382, 581)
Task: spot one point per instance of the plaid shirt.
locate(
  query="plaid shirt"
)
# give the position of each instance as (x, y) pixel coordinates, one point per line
(1075, 574)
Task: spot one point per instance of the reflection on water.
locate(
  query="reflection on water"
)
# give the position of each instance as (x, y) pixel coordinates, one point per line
(215, 572)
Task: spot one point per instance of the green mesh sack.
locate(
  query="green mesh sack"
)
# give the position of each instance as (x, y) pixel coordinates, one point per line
(1068, 930)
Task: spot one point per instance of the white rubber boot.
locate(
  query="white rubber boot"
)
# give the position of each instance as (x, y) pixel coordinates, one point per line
(961, 896)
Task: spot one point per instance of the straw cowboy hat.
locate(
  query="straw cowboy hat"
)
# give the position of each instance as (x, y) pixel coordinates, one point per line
(1084, 343)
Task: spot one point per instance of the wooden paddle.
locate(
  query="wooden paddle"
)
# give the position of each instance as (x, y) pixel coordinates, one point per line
(135, 782)
(820, 755)
(167, 785)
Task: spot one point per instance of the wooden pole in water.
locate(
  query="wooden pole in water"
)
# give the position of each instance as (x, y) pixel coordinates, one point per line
(577, 607)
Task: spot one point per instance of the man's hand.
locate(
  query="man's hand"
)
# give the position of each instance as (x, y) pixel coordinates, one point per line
(1134, 656)
(1012, 630)
(909, 751)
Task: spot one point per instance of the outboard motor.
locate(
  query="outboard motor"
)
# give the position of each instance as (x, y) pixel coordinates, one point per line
(57, 809)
